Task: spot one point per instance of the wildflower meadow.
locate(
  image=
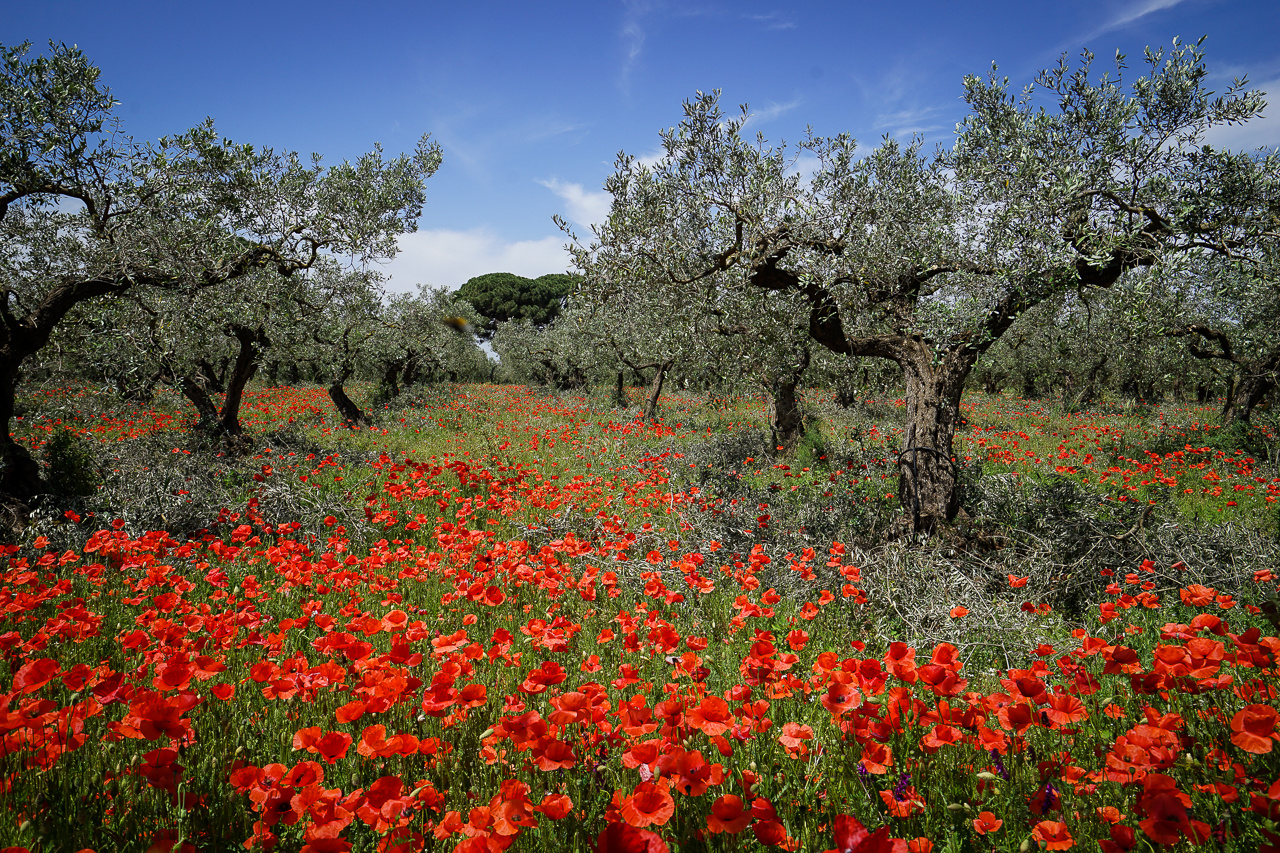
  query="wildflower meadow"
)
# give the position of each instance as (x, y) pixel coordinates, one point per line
(518, 633)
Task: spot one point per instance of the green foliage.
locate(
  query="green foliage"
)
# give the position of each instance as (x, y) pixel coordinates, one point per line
(208, 236)
(502, 296)
(70, 464)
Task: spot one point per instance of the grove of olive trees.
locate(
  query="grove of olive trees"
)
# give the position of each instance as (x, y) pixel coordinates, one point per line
(87, 213)
(1079, 182)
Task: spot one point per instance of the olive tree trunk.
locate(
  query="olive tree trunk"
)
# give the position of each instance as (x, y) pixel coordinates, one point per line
(650, 412)
(350, 412)
(786, 420)
(1248, 391)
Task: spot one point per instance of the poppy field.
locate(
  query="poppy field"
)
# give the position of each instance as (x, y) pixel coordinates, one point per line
(539, 624)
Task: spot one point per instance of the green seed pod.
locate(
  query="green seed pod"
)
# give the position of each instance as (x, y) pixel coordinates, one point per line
(987, 776)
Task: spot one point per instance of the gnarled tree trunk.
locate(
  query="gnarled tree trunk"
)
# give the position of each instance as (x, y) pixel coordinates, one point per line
(351, 413)
(786, 420)
(650, 412)
(19, 471)
(252, 343)
(1258, 375)
(927, 469)
(619, 393)
(199, 397)
(1258, 380)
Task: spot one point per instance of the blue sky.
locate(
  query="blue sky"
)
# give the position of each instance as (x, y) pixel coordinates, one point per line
(531, 102)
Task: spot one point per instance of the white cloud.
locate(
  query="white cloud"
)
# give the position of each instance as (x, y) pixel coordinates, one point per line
(633, 36)
(585, 207)
(1261, 132)
(805, 166)
(773, 21)
(447, 258)
(1134, 12)
(769, 113)
(652, 158)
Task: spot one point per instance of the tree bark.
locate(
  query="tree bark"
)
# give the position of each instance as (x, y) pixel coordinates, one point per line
(786, 420)
(927, 469)
(199, 397)
(20, 337)
(19, 472)
(252, 343)
(619, 393)
(389, 386)
(1250, 390)
(214, 377)
(350, 412)
(650, 412)
(1257, 378)
(412, 366)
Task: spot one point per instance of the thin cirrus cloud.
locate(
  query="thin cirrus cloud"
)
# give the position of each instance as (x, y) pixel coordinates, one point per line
(906, 123)
(448, 258)
(766, 114)
(1133, 12)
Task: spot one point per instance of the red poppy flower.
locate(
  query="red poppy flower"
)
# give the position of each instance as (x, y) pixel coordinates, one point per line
(33, 675)
(1122, 840)
(651, 804)
(1253, 728)
(555, 806)
(622, 838)
(910, 804)
(728, 815)
(986, 822)
(1053, 835)
(712, 716)
(770, 832)
(852, 837)
(1063, 709)
(554, 755)
(840, 697)
(793, 739)
(876, 757)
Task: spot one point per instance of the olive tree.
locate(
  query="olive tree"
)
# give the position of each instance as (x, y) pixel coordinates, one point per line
(427, 336)
(927, 260)
(86, 212)
(1236, 324)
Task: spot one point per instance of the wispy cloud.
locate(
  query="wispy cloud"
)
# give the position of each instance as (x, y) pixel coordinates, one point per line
(633, 37)
(894, 97)
(773, 21)
(585, 207)
(651, 158)
(448, 258)
(768, 113)
(1133, 12)
(907, 122)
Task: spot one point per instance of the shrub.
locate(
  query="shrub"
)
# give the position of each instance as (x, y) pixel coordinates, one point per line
(70, 464)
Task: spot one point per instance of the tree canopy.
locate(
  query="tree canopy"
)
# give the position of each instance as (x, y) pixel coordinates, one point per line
(927, 260)
(86, 212)
(503, 296)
